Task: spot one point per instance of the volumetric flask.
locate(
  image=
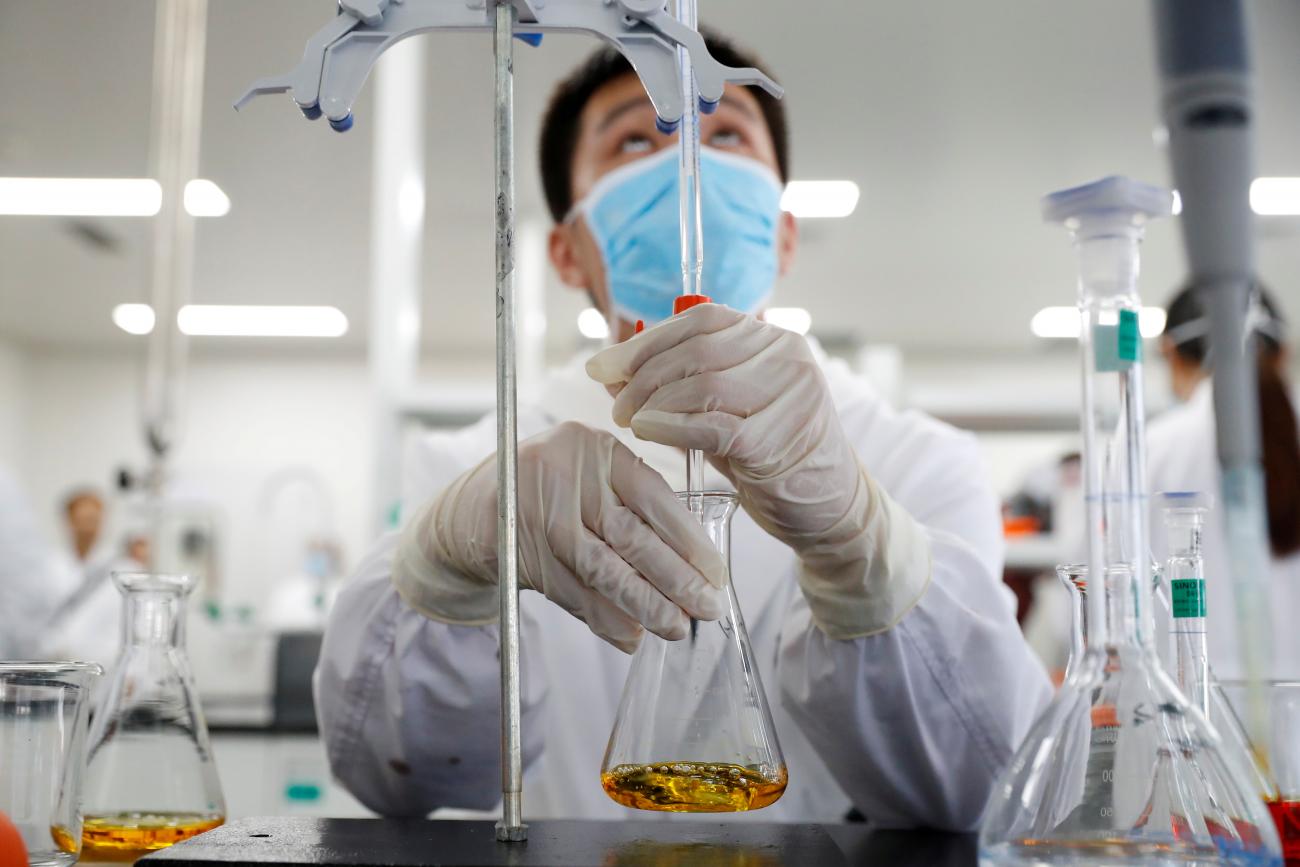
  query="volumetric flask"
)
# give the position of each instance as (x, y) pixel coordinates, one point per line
(43, 711)
(150, 777)
(694, 733)
(1120, 768)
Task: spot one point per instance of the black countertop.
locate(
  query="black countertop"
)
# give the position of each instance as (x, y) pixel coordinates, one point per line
(425, 843)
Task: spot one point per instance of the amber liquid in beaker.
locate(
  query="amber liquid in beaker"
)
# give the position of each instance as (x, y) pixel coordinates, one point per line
(692, 787)
(128, 836)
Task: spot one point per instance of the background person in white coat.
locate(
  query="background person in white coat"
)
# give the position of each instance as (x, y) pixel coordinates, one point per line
(33, 578)
(866, 556)
(1182, 456)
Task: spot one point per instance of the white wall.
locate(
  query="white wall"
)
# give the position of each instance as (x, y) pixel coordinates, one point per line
(248, 419)
(13, 407)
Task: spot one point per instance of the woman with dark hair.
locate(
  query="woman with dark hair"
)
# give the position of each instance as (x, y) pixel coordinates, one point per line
(1182, 456)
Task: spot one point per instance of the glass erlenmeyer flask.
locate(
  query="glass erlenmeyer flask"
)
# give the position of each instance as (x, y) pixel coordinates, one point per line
(1075, 578)
(150, 776)
(693, 732)
(1120, 768)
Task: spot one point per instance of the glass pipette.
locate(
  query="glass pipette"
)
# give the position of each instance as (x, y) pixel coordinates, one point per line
(690, 226)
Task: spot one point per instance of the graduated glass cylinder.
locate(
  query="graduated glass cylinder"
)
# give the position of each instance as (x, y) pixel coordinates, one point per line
(693, 732)
(44, 707)
(151, 780)
(1120, 768)
(1185, 569)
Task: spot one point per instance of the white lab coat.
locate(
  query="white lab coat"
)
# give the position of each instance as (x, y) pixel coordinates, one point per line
(1182, 456)
(910, 726)
(33, 581)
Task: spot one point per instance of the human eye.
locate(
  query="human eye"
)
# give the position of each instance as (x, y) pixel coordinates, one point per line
(726, 138)
(634, 143)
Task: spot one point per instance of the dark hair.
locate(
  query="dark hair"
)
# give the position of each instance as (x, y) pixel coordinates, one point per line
(560, 123)
(1279, 431)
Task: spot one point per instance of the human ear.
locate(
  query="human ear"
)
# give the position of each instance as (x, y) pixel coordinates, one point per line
(562, 247)
(787, 242)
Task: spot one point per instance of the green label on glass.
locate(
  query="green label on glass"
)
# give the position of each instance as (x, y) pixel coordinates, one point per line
(1188, 597)
(1129, 346)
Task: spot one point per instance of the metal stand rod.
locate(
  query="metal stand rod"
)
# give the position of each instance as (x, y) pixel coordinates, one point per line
(511, 827)
(180, 42)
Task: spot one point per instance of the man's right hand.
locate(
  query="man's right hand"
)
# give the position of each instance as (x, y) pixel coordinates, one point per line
(600, 534)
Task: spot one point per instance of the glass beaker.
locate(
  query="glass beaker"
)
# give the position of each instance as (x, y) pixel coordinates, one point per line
(1284, 714)
(1120, 767)
(150, 779)
(693, 732)
(44, 707)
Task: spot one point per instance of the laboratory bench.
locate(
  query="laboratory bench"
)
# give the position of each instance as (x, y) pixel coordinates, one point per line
(564, 843)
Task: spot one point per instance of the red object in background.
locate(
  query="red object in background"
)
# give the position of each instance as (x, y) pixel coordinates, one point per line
(13, 852)
(1021, 525)
(1286, 814)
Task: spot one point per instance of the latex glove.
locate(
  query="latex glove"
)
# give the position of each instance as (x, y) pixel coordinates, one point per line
(600, 534)
(752, 397)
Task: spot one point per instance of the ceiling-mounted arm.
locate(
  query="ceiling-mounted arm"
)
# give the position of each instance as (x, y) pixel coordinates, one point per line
(339, 57)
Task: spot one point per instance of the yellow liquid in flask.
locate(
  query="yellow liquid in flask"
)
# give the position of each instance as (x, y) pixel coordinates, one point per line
(128, 836)
(693, 787)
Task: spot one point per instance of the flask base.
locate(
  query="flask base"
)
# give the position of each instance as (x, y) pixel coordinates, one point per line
(693, 787)
(1106, 852)
(128, 836)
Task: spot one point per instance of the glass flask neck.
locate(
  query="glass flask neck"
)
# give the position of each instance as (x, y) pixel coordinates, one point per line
(154, 609)
(1108, 263)
(1183, 529)
(1114, 472)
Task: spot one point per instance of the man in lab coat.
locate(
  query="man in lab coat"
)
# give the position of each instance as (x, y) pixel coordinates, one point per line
(866, 556)
(32, 579)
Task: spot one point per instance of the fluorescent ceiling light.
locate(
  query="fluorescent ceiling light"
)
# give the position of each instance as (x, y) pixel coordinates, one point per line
(134, 318)
(592, 324)
(80, 197)
(1275, 197)
(1063, 322)
(820, 198)
(1269, 197)
(103, 197)
(794, 319)
(205, 199)
(236, 320)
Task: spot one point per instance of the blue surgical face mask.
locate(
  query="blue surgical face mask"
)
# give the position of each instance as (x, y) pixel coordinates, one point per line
(632, 214)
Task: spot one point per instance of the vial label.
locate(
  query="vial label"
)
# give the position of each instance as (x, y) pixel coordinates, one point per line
(1129, 347)
(1187, 597)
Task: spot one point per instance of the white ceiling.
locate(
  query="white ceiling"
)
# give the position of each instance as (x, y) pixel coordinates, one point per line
(953, 117)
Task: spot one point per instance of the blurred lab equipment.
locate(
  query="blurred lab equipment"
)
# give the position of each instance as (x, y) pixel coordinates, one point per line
(44, 707)
(1206, 101)
(327, 80)
(694, 733)
(150, 778)
(1120, 767)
